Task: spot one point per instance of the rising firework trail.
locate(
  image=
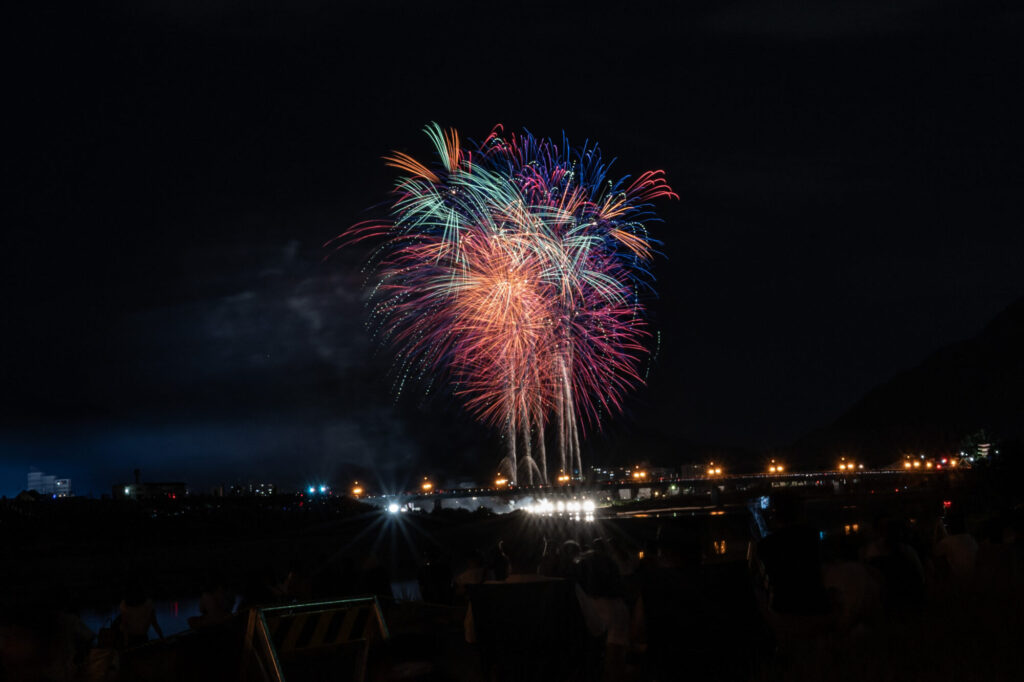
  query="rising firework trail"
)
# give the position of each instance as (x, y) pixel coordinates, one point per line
(513, 271)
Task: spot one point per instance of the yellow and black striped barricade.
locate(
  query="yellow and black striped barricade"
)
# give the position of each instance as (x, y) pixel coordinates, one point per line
(326, 640)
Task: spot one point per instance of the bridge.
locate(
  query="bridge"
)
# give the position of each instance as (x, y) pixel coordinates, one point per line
(604, 493)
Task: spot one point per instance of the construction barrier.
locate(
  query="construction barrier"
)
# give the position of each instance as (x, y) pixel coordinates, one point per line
(316, 640)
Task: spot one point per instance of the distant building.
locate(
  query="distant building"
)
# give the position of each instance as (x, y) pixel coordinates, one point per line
(149, 491)
(692, 470)
(48, 485)
(601, 474)
(62, 487)
(253, 489)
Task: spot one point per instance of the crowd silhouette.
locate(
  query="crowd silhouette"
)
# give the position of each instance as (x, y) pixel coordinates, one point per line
(547, 601)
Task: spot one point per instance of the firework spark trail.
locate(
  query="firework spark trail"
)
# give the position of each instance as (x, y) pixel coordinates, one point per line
(512, 272)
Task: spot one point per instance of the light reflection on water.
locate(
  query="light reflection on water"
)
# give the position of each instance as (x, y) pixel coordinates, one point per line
(172, 614)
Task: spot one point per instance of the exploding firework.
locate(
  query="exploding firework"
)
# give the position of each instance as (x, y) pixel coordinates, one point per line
(513, 271)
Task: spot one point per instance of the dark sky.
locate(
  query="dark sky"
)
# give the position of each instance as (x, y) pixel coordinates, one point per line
(850, 179)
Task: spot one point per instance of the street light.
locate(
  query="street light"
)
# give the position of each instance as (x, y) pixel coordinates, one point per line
(357, 489)
(427, 486)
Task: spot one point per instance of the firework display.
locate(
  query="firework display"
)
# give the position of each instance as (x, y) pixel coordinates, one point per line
(513, 271)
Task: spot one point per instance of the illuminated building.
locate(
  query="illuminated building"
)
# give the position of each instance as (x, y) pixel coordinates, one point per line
(48, 485)
(169, 490)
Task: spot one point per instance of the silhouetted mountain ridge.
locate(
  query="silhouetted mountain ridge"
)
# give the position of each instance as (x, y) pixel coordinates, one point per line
(958, 390)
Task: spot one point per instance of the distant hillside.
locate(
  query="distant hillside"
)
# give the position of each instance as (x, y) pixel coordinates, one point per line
(974, 384)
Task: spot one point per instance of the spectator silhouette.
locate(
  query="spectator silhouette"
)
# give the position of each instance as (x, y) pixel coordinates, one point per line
(215, 603)
(298, 585)
(137, 615)
(902, 575)
(791, 562)
(473, 574)
(854, 593)
(71, 637)
(375, 578)
(956, 551)
(527, 626)
(500, 565)
(568, 553)
(601, 595)
(259, 590)
(671, 615)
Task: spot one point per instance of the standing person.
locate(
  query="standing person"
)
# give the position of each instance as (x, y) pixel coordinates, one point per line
(902, 575)
(671, 586)
(601, 595)
(137, 615)
(956, 551)
(790, 557)
(473, 575)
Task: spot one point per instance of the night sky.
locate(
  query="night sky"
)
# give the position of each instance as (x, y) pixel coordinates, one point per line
(850, 178)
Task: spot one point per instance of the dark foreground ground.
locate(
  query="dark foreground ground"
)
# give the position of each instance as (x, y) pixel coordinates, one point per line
(708, 594)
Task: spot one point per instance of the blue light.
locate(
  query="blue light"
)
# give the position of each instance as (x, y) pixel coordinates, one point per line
(312, 490)
(323, 488)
